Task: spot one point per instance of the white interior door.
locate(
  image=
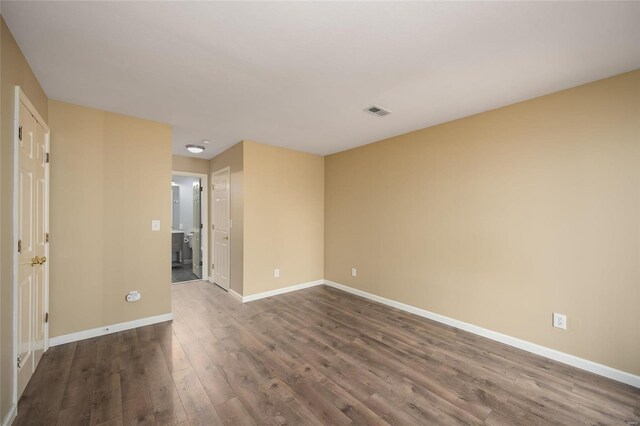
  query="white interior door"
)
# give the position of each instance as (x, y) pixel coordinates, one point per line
(32, 244)
(221, 229)
(196, 253)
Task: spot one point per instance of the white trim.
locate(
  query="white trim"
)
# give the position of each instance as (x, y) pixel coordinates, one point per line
(236, 295)
(225, 170)
(187, 281)
(14, 252)
(11, 415)
(47, 230)
(114, 328)
(204, 218)
(32, 109)
(183, 173)
(278, 291)
(534, 348)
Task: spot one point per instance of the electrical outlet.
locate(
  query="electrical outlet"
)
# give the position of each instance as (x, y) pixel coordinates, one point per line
(276, 273)
(133, 296)
(155, 225)
(560, 321)
(354, 272)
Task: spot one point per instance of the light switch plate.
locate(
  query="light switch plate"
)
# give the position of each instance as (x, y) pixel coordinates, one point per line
(155, 225)
(276, 273)
(354, 272)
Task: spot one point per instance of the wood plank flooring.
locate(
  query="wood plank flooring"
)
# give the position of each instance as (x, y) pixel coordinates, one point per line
(315, 356)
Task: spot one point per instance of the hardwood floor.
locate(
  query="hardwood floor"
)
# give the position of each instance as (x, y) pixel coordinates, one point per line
(315, 356)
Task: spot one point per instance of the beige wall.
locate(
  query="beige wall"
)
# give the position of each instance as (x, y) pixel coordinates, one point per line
(110, 177)
(14, 70)
(232, 158)
(283, 217)
(502, 218)
(190, 164)
(277, 209)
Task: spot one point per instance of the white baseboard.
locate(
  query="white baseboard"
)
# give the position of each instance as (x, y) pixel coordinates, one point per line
(236, 295)
(11, 415)
(593, 367)
(276, 292)
(114, 328)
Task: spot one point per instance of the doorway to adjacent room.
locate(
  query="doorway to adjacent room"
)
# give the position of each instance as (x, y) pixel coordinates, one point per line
(189, 217)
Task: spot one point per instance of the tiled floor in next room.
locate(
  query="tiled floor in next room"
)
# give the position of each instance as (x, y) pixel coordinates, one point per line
(182, 273)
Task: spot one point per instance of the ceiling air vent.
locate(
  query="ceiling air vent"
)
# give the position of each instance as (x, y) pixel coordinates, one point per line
(376, 110)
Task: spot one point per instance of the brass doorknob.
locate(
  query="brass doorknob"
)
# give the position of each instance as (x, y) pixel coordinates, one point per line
(38, 260)
(226, 238)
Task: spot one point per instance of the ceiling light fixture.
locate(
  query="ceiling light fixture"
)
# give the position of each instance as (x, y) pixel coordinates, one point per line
(206, 141)
(195, 149)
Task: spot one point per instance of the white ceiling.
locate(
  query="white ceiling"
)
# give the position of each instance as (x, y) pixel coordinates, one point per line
(298, 75)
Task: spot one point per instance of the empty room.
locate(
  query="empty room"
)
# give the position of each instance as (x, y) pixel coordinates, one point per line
(319, 213)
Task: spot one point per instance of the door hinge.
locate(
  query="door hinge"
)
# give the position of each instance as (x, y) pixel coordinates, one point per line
(201, 263)
(19, 361)
(20, 133)
(213, 227)
(46, 237)
(201, 188)
(201, 226)
(46, 317)
(19, 246)
(213, 266)
(46, 157)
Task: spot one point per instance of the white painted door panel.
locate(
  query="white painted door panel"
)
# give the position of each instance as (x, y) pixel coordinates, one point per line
(221, 229)
(40, 241)
(196, 254)
(31, 245)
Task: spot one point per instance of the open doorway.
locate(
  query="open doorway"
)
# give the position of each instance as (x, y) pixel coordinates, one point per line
(188, 227)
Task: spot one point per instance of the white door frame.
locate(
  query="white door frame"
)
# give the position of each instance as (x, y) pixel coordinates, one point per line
(227, 171)
(20, 96)
(204, 217)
